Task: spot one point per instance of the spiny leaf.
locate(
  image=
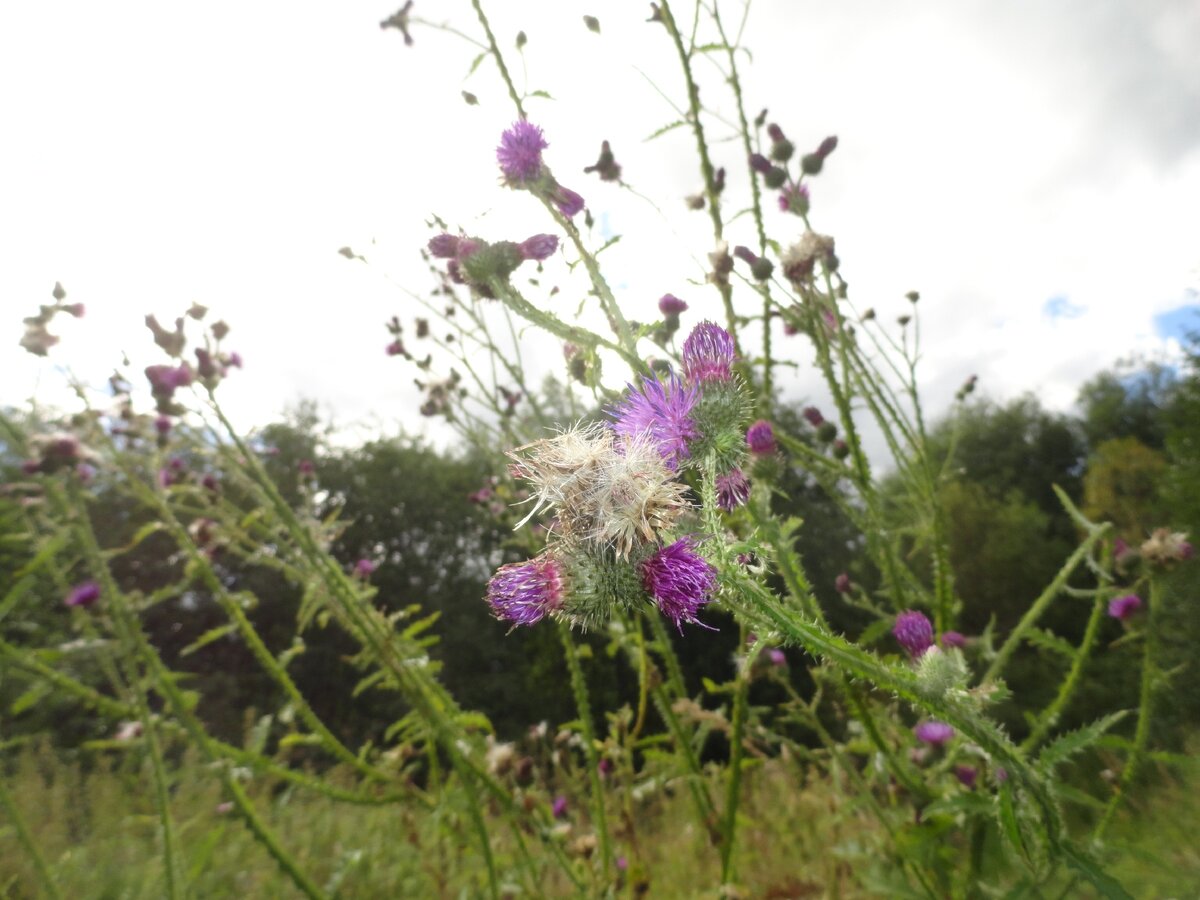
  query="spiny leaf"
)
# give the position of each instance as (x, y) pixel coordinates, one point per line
(1066, 746)
(213, 634)
(678, 123)
(1048, 640)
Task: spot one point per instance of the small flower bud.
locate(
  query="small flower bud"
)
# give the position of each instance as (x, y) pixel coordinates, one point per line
(775, 178)
(58, 293)
(914, 632)
(670, 305)
(760, 163)
(811, 164)
(762, 268)
(841, 584)
(826, 432)
(840, 449)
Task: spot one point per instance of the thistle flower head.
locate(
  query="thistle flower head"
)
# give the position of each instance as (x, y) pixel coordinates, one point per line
(539, 247)
(524, 593)
(966, 776)
(760, 438)
(670, 305)
(680, 581)
(933, 732)
(914, 632)
(83, 594)
(520, 152)
(953, 639)
(708, 354)
(733, 489)
(569, 203)
(662, 412)
(1124, 607)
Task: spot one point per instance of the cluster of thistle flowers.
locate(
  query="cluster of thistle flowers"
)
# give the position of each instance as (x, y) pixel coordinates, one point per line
(479, 264)
(37, 338)
(617, 493)
(940, 668)
(1164, 549)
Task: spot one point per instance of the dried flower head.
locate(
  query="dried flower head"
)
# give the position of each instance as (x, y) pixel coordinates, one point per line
(1165, 547)
(611, 496)
(800, 259)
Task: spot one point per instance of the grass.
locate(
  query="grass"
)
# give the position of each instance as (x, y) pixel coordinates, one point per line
(801, 836)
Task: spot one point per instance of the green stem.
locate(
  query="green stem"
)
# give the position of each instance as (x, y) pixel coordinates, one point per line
(579, 688)
(126, 623)
(164, 682)
(496, 55)
(1053, 589)
(1049, 718)
(1141, 734)
(706, 166)
(734, 775)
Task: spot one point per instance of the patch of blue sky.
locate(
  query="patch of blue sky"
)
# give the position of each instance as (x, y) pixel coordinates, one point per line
(1178, 323)
(1061, 308)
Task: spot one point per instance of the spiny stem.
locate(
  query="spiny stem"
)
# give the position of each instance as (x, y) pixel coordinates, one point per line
(1141, 733)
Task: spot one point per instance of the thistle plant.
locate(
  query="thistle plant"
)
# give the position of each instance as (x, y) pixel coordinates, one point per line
(640, 482)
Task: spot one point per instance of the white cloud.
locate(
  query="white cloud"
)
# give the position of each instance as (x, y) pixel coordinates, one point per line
(992, 157)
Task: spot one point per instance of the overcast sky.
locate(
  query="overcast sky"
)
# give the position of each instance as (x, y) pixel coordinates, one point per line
(1033, 169)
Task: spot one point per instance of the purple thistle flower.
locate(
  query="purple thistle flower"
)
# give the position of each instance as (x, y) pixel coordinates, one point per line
(670, 305)
(395, 348)
(733, 489)
(777, 657)
(953, 639)
(841, 584)
(760, 438)
(163, 425)
(604, 767)
(559, 808)
(443, 246)
(1124, 607)
(520, 152)
(569, 203)
(914, 632)
(662, 411)
(813, 416)
(760, 163)
(523, 593)
(539, 247)
(680, 581)
(364, 568)
(794, 198)
(84, 594)
(966, 776)
(708, 354)
(234, 360)
(933, 732)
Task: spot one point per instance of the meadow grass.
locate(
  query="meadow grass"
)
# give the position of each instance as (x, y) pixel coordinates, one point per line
(804, 833)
